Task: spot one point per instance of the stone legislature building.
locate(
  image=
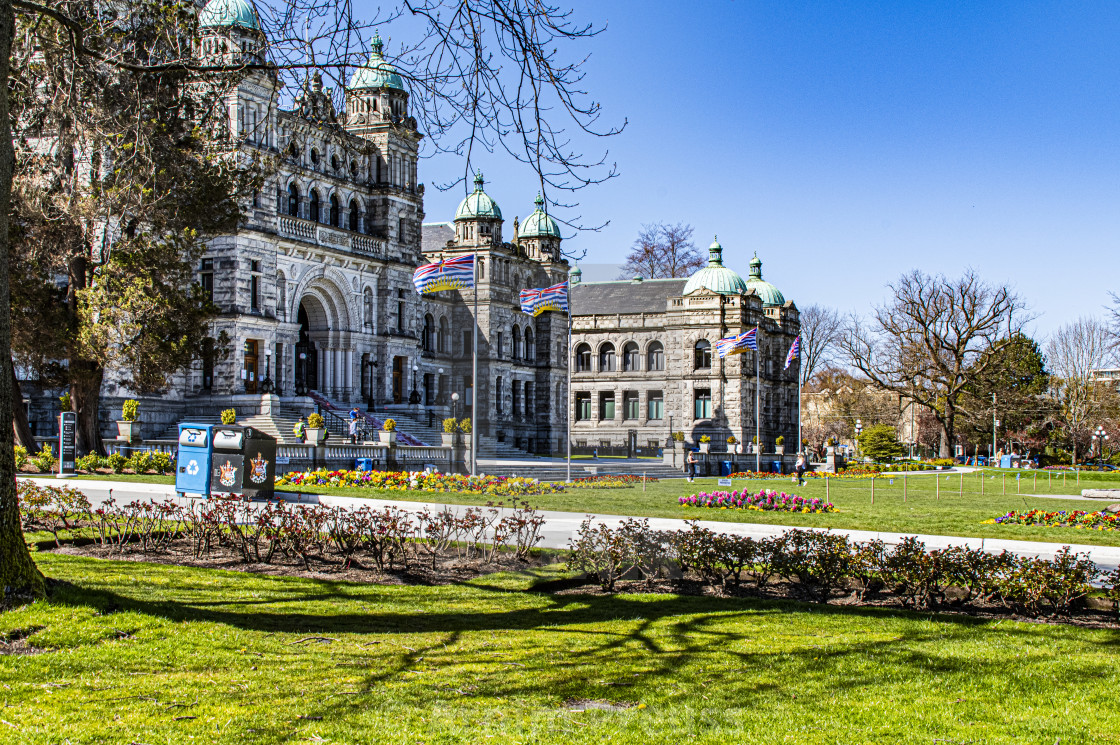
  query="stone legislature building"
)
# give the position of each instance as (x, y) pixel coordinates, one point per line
(316, 296)
(645, 364)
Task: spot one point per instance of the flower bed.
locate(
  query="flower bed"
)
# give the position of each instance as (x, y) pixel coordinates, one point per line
(765, 475)
(610, 481)
(764, 500)
(1061, 519)
(433, 481)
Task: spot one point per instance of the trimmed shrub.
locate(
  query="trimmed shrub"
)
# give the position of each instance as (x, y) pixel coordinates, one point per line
(229, 416)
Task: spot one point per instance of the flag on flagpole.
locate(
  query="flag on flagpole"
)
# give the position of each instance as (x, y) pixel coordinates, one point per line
(449, 274)
(738, 344)
(539, 300)
(794, 352)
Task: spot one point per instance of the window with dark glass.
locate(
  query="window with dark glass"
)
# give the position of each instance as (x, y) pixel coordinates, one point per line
(631, 408)
(703, 403)
(606, 405)
(400, 311)
(206, 279)
(335, 210)
(630, 357)
(515, 393)
(353, 217)
(293, 200)
(530, 348)
(429, 329)
(255, 286)
(498, 396)
(313, 206)
(703, 354)
(583, 407)
(583, 358)
(606, 358)
(655, 357)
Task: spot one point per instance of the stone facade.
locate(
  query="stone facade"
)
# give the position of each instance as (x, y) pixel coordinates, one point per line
(645, 366)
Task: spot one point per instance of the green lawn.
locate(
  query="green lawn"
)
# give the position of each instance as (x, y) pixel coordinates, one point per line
(149, 653)
(927, 509)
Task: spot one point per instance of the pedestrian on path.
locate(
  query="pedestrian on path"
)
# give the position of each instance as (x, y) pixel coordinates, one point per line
(801, 466)
(692, 461)
(300, 430)
(354, 428)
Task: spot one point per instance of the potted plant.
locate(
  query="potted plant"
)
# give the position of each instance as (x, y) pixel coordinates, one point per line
(316, 431)
(779, 445)
(754, 444)
(388, 433)
(705, 444)
(450, 430)
(733, 444)
(229, 416)
(128, 426)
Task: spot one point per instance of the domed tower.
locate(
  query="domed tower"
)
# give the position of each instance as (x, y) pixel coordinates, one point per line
(230, 33)
(769, 294)
(376, 93)
(715, 276)
(539, 235)
(478, 221)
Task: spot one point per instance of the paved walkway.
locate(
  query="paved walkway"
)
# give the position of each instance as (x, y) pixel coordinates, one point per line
(559, 527)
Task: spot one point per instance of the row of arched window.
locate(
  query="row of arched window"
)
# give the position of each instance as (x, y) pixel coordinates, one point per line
(329, 212)
(632, 358)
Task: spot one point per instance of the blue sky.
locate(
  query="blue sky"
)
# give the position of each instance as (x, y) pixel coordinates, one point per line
(850, 142)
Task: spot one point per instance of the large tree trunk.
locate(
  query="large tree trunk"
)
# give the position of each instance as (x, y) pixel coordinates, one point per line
(22, 429)
(19, 577)
(85, 395)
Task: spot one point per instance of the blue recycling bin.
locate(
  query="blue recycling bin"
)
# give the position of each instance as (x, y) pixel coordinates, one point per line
(775, 466)
(193, 462)
(363, 464)
(725, 468)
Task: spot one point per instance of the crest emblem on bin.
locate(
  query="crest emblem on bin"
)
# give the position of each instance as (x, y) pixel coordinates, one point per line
(227, 474)
(259, 471)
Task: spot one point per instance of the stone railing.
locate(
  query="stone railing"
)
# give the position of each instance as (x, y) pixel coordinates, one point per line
(326, 235)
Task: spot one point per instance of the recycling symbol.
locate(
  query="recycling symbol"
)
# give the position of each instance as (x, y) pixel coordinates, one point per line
(192, 468)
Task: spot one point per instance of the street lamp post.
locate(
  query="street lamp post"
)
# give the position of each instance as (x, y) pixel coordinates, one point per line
(859, 428)
(414, 397)
(455, 405)
(1100, 435)
(266, 384)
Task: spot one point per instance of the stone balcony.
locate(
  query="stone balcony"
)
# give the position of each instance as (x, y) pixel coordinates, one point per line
(329, 237)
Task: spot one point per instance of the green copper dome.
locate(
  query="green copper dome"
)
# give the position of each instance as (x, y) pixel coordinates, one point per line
(769, 293)
(539, 224)
(228, 13)
(377, 73)
(715, 276)
(478, 204)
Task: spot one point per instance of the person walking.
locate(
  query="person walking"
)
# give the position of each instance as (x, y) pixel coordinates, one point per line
(300, 430)
(801, 466)
(353, 428)
(692, 461)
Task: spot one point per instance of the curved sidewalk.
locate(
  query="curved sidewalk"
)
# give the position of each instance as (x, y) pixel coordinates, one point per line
(560, 527)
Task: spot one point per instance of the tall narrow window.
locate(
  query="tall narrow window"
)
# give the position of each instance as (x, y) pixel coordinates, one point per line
(400, 311)
(335, 210)
(206, 279)
(703, 403)
(703, 354)
(514, 385)
(606, 405)
(515, 346)
(630, 357)
(255, 287)
(429, 330)
(655, 357)
(655, 408)
(353, 217)
(501, 344)
(293, 200)
(606, 358)
(583, 407)
(631, 407)
(313, 206)
(530, 347)
(498, 396)
(583, 358)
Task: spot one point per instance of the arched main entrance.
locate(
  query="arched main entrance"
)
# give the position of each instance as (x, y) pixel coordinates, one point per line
(307, 357)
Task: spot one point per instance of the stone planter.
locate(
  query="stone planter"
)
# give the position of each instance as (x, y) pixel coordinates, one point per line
(388, 438)
(448, 439)
(316, 436)
(779, 449)
(705, 447)
(128, 431)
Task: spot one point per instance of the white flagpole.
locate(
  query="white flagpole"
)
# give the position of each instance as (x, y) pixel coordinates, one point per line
(568, 394)
(757, 400)
(800, 383)
(474, 376)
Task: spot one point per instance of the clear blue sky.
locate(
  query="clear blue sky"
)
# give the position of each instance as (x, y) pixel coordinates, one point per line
(849, 142)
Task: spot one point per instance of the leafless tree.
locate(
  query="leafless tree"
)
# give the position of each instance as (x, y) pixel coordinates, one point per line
(929, 341)
(821, 330)
(483, 74)
(662, 252)
(1075, 353)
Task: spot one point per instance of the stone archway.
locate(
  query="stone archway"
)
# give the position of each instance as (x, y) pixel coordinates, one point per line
(323, 354)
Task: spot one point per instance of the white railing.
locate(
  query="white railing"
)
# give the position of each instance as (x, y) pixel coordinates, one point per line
(294, 227)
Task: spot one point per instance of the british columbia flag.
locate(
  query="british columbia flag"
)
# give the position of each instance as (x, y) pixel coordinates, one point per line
(449, 274)
(738, 344)
(538, 300)
(794, 352)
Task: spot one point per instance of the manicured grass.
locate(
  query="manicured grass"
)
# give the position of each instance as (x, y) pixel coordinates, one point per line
(149, 653)
(924, 511)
